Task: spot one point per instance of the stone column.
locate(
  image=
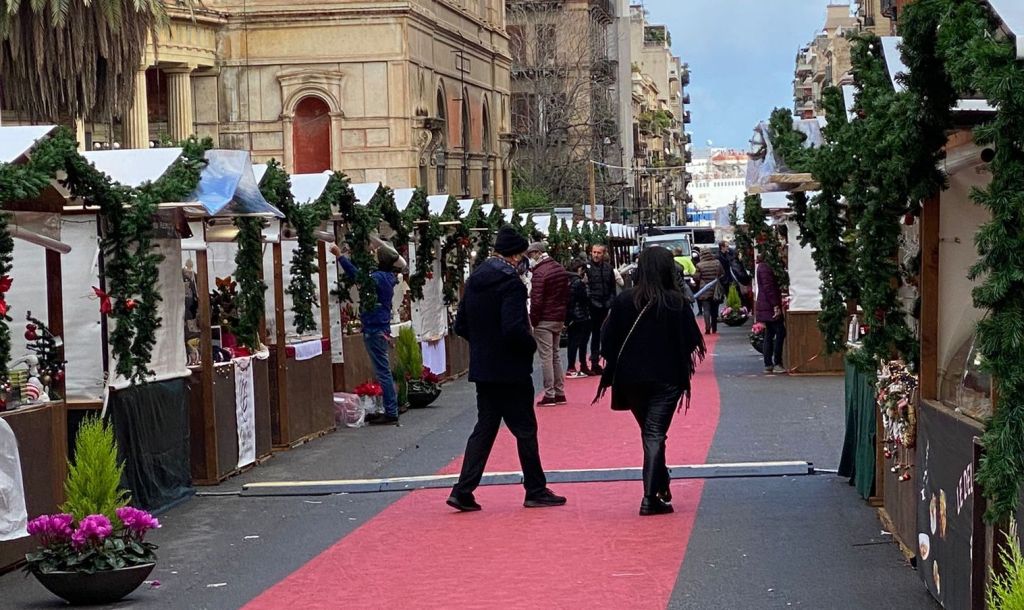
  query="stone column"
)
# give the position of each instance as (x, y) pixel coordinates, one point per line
(136, 123)
(180, 115)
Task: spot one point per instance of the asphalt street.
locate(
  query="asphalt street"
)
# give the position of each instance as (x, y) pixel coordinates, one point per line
(756, 543)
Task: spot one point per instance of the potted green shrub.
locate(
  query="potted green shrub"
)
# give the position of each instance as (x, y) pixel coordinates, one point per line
(422, 387)
(733, 312)
(94, 552)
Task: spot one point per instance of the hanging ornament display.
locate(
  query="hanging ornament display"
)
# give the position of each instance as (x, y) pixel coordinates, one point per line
(897, 403)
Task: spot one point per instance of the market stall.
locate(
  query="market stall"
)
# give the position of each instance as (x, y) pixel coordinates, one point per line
(32, 414)
(230, 400)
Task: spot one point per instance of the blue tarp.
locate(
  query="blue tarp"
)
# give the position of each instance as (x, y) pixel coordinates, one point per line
(227, 186)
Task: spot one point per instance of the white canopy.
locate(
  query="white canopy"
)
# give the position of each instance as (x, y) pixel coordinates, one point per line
(849, 99)
(894, 63)
(1011, 13)
(487, 208)
(131, 167)
(365, 191)
(307, 188)
(465, 205)
(403, 197)
(18, 140)
(258, 171)
(437, 203)
(542, 222)
(508, 213)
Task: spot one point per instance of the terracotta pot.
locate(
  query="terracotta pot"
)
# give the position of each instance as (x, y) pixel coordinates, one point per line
(104, 587)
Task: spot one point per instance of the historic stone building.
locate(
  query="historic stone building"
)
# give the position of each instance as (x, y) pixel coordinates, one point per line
(406, 92)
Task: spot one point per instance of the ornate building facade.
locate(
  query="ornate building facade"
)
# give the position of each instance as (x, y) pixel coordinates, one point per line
(405, 92)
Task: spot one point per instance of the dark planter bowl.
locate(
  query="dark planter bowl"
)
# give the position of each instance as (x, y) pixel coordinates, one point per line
(758, 344)
(419, 399)
(735, 321)
(104, 587)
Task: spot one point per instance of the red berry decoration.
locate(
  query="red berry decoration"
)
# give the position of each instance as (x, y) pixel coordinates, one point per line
(31, 335)
(130, 304)
(31, 326)
(908, 220)
(430, 275)
(59, 375)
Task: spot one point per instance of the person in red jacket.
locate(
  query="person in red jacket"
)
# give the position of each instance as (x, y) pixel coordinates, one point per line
(549, 302)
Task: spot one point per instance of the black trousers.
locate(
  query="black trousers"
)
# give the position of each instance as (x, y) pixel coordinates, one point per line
(774, 337)
(710, 309)
(597, 316)
(653, 406)
(579, 332)
(512, 403)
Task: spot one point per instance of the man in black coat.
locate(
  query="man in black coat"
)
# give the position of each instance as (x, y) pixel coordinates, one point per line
(601, 286)
(492, 317)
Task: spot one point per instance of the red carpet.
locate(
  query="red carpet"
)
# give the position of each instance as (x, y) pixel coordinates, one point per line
(595, 552)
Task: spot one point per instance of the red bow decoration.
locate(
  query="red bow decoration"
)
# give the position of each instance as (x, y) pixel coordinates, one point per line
(5, 284)
(105, 305)
(3, 307)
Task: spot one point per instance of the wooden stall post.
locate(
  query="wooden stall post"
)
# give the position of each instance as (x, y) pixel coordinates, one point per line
(325, 291)
(930, 299)
(55, 320)
(207, 413)
(282, 348)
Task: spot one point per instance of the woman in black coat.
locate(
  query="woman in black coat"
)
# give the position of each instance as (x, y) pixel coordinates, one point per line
(652, 344)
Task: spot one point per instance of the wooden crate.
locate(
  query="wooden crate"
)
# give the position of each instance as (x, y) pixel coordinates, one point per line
(42, 445)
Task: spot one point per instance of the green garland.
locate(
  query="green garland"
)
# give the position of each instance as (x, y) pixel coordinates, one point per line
(789, 142)
(252, 289)
(484, 227)
(362, 222)
(977, 58)
(389, 213)
(454, 252)
(766, 239)
(429, 231)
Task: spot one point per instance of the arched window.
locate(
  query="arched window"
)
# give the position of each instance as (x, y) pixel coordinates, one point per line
(311, 136)
(441, 156)
(466, 128)
(485, 174)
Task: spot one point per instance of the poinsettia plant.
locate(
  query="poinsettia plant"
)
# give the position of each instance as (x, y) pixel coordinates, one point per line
(427, 383)
(369, 389)
(93, 543)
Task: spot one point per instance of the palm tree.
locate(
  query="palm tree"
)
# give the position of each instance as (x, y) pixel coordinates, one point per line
(73, 58)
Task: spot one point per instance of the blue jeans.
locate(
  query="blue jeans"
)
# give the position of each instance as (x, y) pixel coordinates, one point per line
(378, 346)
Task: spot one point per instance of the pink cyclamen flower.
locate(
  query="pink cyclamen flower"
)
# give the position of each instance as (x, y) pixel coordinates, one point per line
(51, 528)
(137, 521)
(93, 529)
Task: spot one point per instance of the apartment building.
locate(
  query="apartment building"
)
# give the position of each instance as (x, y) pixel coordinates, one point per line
(825, 61)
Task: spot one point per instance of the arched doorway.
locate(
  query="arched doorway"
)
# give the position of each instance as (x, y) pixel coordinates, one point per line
(485, 186)
(441, 155)
(311, 136)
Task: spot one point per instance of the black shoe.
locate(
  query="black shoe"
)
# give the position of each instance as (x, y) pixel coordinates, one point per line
(560, 399)
(591, 373)
(597, 369)
(547, 401)
(652, 505)
(544, 499)
(463, 502)
(382, 419)
(665, 496)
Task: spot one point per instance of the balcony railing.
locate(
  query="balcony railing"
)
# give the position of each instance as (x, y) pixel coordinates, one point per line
(602, 9)
(686, 117)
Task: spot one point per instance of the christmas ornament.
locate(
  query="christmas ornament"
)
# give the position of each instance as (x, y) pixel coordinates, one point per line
(105, 305)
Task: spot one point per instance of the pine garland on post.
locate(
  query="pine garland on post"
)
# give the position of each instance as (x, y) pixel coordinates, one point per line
(252, 289)
(428, 231)
(454, 252)
(766, 240)
(744, 244)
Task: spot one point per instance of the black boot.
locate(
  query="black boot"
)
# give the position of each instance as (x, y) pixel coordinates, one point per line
(653, 505)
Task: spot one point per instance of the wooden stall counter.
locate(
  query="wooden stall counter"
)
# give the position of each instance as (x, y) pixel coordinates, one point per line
(214, 435)
(42, 446)
(805, 347)
(302, 392)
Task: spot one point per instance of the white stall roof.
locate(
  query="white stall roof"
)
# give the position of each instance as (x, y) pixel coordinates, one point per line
(133, 168)
(403, 197)
(258, 171)
(542, 222)
(437, 203)
(364, 192)
(487, 208)
(307, 188)
(18, 140)
(896, 67)
(849, 100)
(507, 213)
(465, 205)
(1011, 13)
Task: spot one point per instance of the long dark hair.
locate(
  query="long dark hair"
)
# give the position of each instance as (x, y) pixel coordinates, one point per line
(656, 280)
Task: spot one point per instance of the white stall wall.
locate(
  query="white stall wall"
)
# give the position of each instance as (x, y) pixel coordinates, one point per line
(430, 315)
(82, 336)
(804, 280)
(287, 249)
(959, 219)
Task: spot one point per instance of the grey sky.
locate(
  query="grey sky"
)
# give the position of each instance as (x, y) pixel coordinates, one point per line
(741, 55)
